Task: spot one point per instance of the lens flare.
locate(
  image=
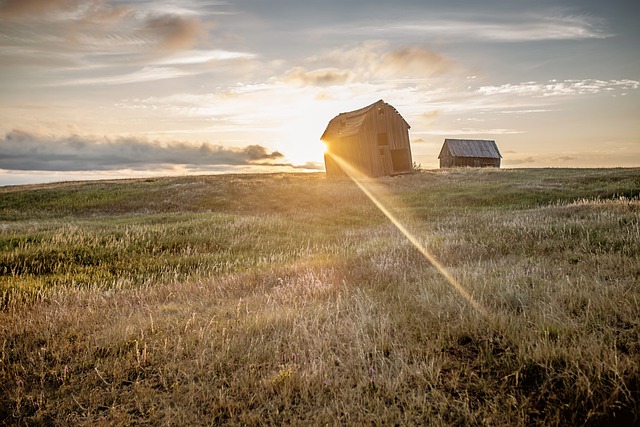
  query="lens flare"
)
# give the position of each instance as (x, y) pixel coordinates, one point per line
(369, 189)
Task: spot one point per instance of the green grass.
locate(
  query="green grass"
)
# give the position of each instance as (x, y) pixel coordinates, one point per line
(290, 299)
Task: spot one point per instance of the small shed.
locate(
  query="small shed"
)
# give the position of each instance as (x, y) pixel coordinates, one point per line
(475, 153)
(374, 140)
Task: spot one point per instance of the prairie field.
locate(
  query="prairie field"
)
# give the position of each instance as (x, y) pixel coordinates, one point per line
(292, 299)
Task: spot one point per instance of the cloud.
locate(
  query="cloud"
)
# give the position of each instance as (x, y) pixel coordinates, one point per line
(33, 8)
(524, 161)
(430, 116)
(468, 131)
(97, 42)
(193, 57)
(74, 12)
(146, 74)
(468, 102)
(352, 56)
(505, 28)
(560, 87)
(367, 61)
(174, 32)
(413, 62)
(312, 166)
(319, 77)
(93, 31)
(25, 151)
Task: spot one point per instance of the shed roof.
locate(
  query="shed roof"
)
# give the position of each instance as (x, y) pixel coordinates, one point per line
(471, 148)
(349, 123)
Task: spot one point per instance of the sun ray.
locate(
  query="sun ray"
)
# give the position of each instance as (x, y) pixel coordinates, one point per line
(369, 189)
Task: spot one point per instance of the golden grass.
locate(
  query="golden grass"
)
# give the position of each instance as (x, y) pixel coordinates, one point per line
(243, 311)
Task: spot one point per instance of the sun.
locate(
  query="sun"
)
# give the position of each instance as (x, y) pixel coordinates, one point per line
(300, 141)
(304, 149)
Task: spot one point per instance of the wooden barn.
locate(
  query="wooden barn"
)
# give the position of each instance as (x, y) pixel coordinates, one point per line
(475, 153)
(373, 139)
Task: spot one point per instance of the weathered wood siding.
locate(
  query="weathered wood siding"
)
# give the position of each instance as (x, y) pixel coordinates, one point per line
(474, 162)
(476, 153)
(380, 148)
(347, 148)
(384, 120)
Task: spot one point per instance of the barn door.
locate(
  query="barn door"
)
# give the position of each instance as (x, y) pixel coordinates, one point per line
(400, 160)
(385, 160)
(384, 156)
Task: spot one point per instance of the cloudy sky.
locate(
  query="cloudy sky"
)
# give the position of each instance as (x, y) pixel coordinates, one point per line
(120, 88)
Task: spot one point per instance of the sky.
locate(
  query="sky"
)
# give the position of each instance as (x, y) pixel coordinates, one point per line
(93, 89)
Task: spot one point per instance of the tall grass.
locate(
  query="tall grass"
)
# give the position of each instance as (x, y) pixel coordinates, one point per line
(289, 299)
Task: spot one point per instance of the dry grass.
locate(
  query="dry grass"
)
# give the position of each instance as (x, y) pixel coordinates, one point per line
(289, 299)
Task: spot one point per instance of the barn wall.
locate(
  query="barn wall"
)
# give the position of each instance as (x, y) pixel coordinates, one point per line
(373, 155)
(331, 167)
(377, 163)
(446, 162)
(398, 136)
(350, 149)
(384, 120)
(474, 162)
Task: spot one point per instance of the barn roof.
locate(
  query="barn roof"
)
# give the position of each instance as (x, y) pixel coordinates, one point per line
(349, 123)
(471, 148)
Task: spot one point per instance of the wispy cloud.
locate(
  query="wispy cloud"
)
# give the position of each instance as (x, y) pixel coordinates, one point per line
(414, 61)
(496, 28)
(78, 29)
(174, 32)
(21, 9)
(372, 60)
(146, 74)
(77, 43)
(318, 77)
(195, 56)
(26, 151)
(561, 87)
(514, 98)
(468, 131)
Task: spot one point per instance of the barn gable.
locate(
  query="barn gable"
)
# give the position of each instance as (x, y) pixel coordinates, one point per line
(373, 139)
(469, 152)
(350, 123)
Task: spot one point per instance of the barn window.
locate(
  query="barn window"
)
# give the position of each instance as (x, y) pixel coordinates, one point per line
(380, 111)
(382, 151)
(382, 139)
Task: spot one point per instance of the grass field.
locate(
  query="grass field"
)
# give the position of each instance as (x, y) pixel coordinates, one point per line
(291, 299)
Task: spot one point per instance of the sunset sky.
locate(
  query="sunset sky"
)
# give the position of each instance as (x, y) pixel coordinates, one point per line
(122, 88)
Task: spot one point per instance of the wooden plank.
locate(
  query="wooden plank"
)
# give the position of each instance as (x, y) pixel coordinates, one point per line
(363, 151)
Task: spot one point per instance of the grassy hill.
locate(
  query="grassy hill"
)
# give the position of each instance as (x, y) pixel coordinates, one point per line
(291, 299)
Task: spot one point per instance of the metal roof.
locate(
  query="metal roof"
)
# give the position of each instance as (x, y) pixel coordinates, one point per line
(470, 148)
(347, 124)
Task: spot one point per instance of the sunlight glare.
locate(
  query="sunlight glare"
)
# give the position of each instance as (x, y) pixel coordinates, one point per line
(304, 149)
(369, 189)
(301, 133)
